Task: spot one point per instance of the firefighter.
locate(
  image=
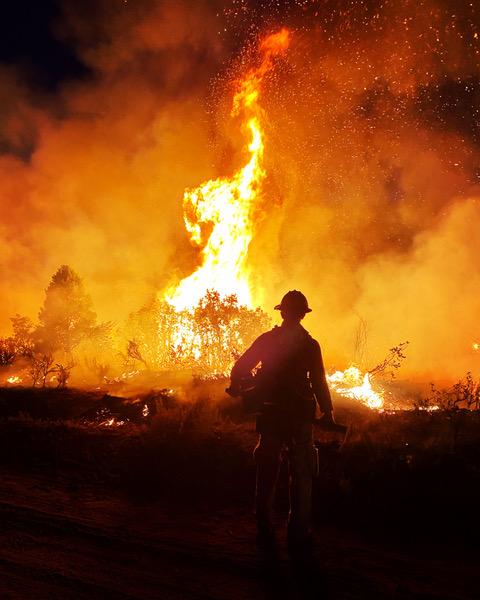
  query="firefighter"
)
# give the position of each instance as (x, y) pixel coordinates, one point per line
(289, 379)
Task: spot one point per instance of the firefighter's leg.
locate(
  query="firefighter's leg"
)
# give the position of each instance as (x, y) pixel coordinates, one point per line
(267, 457)
(302, 466)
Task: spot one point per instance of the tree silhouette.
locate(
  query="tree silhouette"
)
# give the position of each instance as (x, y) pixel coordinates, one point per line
(7, 352)
(23, 335)
(67, 315)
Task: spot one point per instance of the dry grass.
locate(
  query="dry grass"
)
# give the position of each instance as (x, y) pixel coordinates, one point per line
(398, 473)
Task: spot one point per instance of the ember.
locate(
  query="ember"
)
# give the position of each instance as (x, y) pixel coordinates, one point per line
(112, 423)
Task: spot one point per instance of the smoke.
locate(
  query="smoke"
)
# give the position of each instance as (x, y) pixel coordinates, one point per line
(110, 156)
(372, 158)
(374, 145)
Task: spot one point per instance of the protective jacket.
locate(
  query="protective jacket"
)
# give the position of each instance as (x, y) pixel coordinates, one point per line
(289, 377)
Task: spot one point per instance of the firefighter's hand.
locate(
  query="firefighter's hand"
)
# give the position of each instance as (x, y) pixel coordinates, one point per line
(328, 423)
(234, 390)
(326, 419)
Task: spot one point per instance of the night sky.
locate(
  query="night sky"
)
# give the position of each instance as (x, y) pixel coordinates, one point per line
(28, 42)
(32, 42)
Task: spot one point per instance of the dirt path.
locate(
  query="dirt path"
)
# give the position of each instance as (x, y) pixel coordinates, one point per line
(59, 543)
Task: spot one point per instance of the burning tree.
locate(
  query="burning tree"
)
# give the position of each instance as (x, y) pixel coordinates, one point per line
(23, 335)
(216, 332)
(205, 339)
(149, 329)
(7, 352)
(206, 320)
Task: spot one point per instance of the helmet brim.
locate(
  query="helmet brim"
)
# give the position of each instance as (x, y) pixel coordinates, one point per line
(280, 307)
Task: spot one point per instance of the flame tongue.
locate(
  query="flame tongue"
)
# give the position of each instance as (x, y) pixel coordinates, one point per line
(352, 383)
(225, 204)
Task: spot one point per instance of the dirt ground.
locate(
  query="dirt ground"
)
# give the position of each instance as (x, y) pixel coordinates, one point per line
(62, 542)
(163, 509)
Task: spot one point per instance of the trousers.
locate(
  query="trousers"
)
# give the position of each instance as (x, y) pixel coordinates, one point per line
(303, 466)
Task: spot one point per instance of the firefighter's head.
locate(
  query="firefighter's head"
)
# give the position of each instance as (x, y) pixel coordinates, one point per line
(293, 307)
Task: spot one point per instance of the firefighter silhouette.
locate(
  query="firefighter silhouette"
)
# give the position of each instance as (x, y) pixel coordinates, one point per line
(282, 377)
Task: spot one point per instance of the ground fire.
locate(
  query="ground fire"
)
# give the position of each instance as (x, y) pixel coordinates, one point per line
(352, 383)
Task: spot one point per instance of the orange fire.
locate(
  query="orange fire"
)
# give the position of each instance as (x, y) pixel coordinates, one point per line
(352, 383)
(225, 205)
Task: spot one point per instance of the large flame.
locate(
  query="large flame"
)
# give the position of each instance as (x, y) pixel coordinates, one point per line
(224, 206)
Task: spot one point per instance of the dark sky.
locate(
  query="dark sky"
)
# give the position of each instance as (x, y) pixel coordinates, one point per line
(42, 61)
(28, 42)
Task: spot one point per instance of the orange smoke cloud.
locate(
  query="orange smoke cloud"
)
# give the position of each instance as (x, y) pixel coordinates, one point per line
(370, 198)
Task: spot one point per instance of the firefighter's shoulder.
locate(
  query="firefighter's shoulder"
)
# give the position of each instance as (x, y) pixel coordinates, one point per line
(268, 336)
(313, 344)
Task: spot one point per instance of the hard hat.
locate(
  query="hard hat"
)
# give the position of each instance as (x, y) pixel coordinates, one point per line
(294, 301)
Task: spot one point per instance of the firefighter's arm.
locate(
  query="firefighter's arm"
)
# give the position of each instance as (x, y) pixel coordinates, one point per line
(319, 384)
(244, 365)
